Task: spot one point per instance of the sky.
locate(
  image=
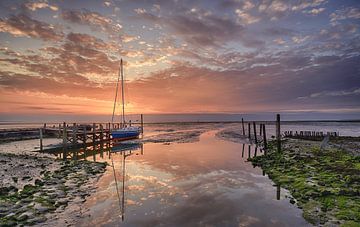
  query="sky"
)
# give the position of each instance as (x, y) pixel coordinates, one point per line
(62, 57)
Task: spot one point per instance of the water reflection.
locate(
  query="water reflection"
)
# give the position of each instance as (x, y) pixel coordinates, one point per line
(126, 150)
(185, 184)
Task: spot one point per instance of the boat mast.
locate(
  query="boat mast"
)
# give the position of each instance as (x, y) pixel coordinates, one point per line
(122, 92)
(116, 93)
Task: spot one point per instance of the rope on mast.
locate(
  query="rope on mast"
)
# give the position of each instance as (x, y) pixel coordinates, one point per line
(116, 93)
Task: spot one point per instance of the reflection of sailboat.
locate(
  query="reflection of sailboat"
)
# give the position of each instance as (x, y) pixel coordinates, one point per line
(125, 150)
(123, 133)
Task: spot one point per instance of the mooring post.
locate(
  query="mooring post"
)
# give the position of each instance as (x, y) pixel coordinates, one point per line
(94, 132)
(64, 136)
(85, 135)
(254, 124)
(101, 133)
(249, 132)
(278, 135)
(74, 131)
(41, 139)
(243, 148)
(109, 130)
(142, 123)
(243, 128)
(264, 138)
(59, 134)
(278, 192)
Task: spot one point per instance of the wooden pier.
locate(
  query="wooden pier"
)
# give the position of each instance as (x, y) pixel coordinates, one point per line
(76, 135)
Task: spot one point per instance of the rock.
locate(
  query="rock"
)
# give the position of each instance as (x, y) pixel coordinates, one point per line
(40, 208)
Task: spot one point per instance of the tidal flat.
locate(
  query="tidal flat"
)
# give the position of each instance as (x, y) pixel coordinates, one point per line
(324, 183)
(180, 175)
(36, 189)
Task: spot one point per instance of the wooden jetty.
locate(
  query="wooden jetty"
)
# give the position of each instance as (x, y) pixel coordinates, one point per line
(80, 135)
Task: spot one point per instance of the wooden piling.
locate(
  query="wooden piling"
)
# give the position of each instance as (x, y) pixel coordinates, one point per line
(254, 124)
(243, 148)
(260, 129)
(101, 133)
(142, 123)
(278, 135)
(85, 135)
(94, 133)
(264, 138)
(64, 136)
(243, 128)
(278, 192)
(74, 131)
(249, 132)
(41, 139)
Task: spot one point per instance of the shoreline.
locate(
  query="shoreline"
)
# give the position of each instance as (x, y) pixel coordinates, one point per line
(325, 183)
(37, 194)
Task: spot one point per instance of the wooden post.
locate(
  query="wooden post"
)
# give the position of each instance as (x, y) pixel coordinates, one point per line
(249, 132)
(74, 131)
(278, 192)
(278, 135)
(85, 135)
(64, 136)
(41, 139)
(243, 128)
(260, 130)
(101, 133)
(108, 132)
(254, 124)
(264, 138)
(59, 135)
(94, 132)
(44, 125)
(142, 124)
(243, 148)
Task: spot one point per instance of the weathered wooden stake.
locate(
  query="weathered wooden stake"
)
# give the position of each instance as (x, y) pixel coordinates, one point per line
(74, 131)
(101, 133)
(64, 136)
(243, 128)
(249, 132)
(254, 124)
(142, 123)
(278, 192)
(59, 135)
(264, 138)
(85, 135)
(278, 135)
(260, 130)
(41, 139)
(94, 133)
(243, 148)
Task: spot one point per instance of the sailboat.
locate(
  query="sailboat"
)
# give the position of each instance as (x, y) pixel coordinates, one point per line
(125, 132)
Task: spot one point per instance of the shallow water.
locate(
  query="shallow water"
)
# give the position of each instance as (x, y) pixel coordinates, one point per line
(205, 183)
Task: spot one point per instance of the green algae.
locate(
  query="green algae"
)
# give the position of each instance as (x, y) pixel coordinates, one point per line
(36, 199)
(324, 183)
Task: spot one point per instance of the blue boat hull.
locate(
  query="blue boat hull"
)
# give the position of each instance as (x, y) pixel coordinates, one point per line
(124, 135)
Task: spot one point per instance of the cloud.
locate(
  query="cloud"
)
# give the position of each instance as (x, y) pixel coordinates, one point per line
(202, 29)
(299, 39)
(23, 25)
(93, 19)
(246, 18)
(33, 6)
(336, 93)
(343, 14)
(315, 11)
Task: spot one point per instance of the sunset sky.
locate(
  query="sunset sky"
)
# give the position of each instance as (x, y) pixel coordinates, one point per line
(232, 56)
